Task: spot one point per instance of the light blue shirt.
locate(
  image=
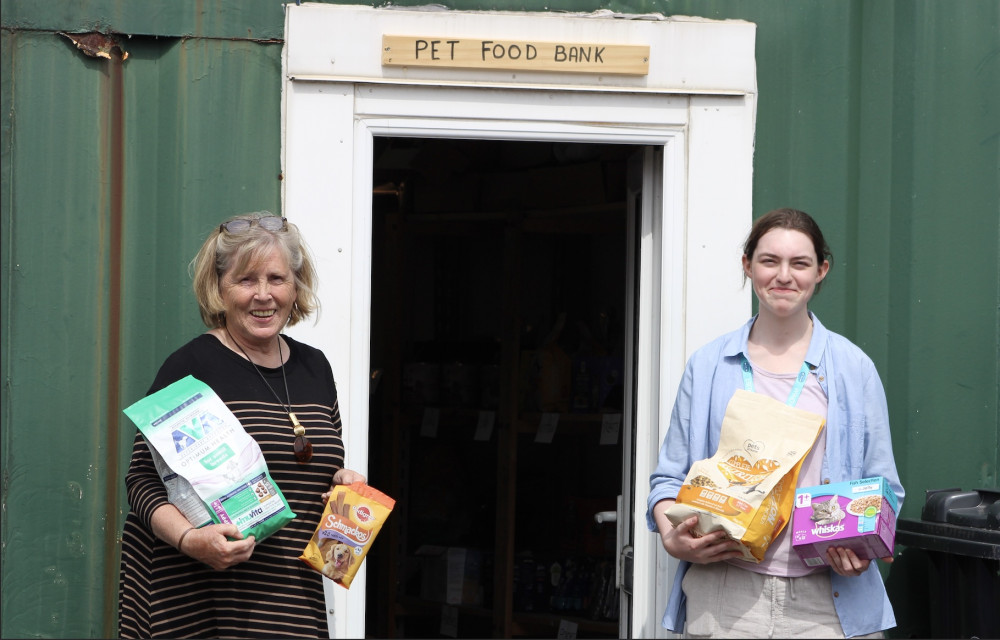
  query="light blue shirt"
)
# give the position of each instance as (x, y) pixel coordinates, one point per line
(858, 445)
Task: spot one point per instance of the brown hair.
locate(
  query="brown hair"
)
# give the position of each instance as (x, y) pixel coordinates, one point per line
(787, 218)
(223, 251)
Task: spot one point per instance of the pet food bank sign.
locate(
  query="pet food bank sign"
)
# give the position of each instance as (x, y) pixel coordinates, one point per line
(480, 53)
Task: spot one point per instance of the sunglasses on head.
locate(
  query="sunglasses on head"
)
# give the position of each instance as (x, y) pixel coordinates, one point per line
(270, 223)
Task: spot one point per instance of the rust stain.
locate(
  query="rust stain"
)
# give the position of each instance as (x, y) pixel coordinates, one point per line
(117, 174)
(96, 45)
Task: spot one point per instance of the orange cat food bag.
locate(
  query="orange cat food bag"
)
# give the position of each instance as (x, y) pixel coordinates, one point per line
(351, 520)
(747, 488)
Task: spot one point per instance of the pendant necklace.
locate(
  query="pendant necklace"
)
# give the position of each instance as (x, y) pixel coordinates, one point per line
(301, 446)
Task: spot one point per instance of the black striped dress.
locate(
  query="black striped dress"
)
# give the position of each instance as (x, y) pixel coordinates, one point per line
(163, 593)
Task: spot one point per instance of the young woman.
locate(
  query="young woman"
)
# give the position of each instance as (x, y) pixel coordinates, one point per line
(786, 260)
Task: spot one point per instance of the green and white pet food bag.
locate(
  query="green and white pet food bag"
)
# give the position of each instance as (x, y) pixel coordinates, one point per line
(202, 446)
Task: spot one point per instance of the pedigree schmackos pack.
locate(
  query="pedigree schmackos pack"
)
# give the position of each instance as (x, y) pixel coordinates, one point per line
(353, 516)
(206, 451)
(747, 488)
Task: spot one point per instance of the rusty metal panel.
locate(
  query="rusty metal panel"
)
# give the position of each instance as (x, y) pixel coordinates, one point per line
(57, 468)
(113, 174)
(243, 19)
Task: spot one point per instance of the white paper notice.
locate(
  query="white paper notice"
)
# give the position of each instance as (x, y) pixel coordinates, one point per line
(611, 425)
(567, 629)
(547, 427)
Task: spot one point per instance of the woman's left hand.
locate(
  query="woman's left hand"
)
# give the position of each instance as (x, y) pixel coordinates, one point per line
(347, 476)
(344, 476)
(847, 563)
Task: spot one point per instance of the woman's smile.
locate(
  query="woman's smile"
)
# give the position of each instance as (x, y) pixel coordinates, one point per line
(784, 271)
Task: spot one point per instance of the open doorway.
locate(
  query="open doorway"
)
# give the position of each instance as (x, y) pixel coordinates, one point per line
(693, 117)
(498, 338)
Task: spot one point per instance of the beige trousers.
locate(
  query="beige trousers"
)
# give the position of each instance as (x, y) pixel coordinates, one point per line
(724, 601)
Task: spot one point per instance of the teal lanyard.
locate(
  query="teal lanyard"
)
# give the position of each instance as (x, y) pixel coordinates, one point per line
(793, 396)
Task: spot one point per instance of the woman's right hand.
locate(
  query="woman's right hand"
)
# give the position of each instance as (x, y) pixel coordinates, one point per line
(682, 544)
(211, 545)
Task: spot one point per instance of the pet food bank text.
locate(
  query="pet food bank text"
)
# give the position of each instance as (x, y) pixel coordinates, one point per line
(482, 53)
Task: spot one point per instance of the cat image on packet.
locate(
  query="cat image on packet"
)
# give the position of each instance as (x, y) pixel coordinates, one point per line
(857, 514)
(353, 516)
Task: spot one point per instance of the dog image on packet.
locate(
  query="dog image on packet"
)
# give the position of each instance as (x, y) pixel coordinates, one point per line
(353, 516)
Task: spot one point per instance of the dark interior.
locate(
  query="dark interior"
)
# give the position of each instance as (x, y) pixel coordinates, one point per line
(498, 302)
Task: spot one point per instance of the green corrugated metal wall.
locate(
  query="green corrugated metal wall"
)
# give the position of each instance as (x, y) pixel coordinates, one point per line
(112, 175)
(881, 118)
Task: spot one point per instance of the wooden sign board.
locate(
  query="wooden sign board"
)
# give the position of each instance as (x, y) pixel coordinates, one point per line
(477, 53)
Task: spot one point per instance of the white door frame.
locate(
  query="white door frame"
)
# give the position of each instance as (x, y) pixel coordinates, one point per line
(691, 291)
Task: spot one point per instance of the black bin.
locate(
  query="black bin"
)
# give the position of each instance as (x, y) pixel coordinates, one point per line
(945, 583)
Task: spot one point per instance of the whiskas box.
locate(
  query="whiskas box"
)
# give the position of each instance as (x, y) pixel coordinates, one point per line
(859, 515)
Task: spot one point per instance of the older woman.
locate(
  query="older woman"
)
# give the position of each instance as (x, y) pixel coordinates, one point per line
(252, 277)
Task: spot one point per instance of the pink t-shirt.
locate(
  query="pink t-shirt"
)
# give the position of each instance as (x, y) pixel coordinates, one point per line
(780, 559)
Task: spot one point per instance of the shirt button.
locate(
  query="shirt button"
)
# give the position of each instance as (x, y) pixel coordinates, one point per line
(826, 481)
(822, 378)
(836, 594)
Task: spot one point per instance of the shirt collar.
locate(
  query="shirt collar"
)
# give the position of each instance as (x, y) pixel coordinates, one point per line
(817, 344)
(737, 344)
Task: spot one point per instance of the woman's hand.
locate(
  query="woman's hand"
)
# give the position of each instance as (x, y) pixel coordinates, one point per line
(681, 543)
(211, 545)
(344, 476)
(845, 562)
(347, 476)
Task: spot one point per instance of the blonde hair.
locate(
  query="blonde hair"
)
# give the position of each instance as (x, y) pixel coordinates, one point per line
(223, 251)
